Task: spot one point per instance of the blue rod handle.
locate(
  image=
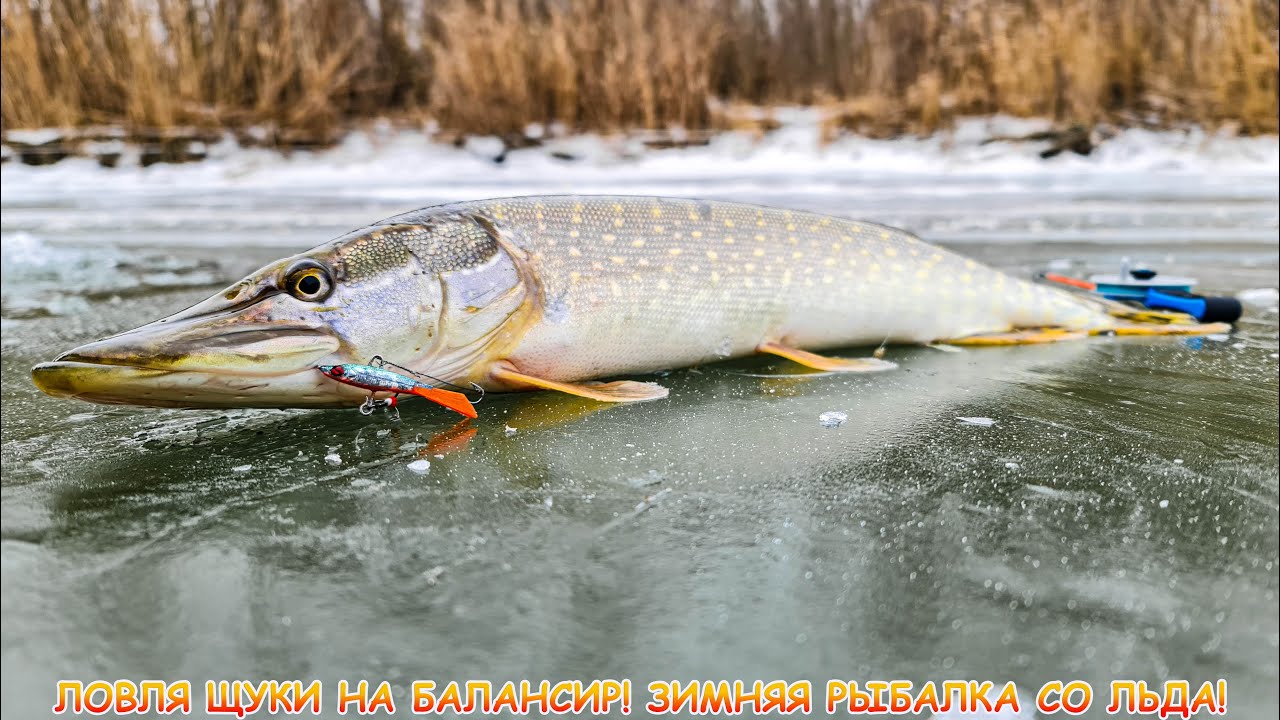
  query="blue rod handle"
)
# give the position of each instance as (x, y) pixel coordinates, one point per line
(1191, 305)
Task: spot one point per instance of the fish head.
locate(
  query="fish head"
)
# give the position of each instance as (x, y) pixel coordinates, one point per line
(258, 342)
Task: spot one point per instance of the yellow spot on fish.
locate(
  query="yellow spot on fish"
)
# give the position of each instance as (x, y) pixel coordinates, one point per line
(656, 211)
(715, 277)
(758, 252)
(575, 252)
(760, 223)
(797, 255)
(696, 233)
(668, 268)
(577, 218)
(747, 282)
(791, 227)
(875, 267)
(675, 251)
(573, 233)
(786, 277)
(829, 262)
(884, 235)
(749, 267)
(693, 215)
(937, 257)
(617, 207)
(617, 222)
(970, 265)
(792, 239)
(618, 260)
(615, 288)
(922, 274)
(759, 238)
(728, 241)
(728, 223)
(659, 229)
(538, 215)
(663, 284)
(608, 237)
(575, 275)
(711, 255)
(891, 252)
(966, 278)
(638, 242)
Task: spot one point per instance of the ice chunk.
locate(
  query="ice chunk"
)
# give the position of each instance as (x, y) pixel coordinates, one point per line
(422, 467)
(242, 468)
(333, 459)
(1262, 297)
(980, 421)
(833, 418)
(508, 430)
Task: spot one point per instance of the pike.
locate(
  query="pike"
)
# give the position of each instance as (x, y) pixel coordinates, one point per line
(559, 292)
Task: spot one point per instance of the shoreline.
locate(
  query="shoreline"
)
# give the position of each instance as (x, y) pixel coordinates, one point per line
(1031, 142)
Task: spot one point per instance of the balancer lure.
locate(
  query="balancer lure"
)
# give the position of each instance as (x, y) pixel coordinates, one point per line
(377, 379)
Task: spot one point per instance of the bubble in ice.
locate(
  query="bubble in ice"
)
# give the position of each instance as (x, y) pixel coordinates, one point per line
(980, 421)
(422, 467)
(333, 459)
(832, 418)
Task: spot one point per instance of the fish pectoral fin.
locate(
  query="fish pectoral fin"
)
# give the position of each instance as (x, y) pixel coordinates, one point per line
(1029, 336)
(618, 391)
(822, 362)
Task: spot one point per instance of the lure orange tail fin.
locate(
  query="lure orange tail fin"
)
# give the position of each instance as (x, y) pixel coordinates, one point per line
(455, 401)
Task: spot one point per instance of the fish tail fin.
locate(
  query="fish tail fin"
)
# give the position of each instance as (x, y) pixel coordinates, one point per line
(455, 401)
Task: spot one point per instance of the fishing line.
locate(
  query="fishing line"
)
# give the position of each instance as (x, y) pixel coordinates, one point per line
(378, 361)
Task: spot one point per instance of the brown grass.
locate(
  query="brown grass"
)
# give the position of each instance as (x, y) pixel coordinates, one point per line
(306, 69)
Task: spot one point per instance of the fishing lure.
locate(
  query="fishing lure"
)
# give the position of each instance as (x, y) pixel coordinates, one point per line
(377, 378)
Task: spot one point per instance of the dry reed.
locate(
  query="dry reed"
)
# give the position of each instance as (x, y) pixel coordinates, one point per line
(306, 69)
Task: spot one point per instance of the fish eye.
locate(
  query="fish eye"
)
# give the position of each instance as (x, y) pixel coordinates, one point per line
(309, 281)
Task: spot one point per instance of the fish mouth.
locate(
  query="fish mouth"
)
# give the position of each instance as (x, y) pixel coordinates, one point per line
(208, 365)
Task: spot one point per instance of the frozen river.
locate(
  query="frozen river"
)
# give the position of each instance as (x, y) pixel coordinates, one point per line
(1118, 519)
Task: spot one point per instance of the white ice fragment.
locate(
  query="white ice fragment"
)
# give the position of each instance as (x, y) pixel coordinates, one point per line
(432, 576)
(1164, 503)
(1218, 337)
(508, 430)
(980, 421)
(832, 418)
(333, 459)
(548, 502)
(1177, 461)
(1012, 465)
(242, 468)
(1262, 297)
(422, 467)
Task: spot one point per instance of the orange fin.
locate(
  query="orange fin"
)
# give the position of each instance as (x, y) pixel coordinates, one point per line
(822, 362)
(1032, 336)
(618, 391)
(455, 401)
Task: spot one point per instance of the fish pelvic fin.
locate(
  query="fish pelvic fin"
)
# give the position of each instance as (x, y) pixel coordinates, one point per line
(618, 391)
(822, 362)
